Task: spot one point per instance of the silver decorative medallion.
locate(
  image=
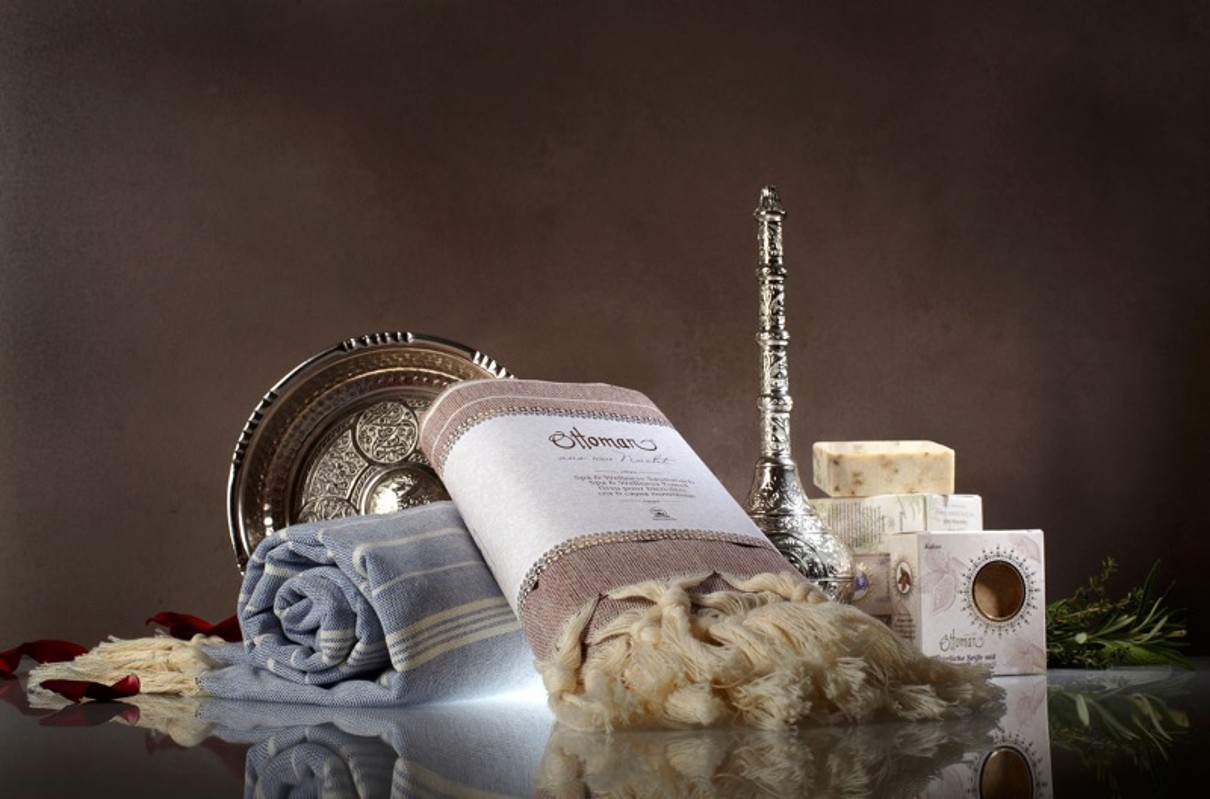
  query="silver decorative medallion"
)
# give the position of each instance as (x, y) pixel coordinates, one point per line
(337, 436)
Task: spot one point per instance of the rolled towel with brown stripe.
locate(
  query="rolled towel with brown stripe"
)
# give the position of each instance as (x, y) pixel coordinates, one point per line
(648, 595)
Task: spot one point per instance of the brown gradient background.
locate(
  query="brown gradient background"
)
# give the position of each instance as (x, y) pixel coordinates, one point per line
(997, 240)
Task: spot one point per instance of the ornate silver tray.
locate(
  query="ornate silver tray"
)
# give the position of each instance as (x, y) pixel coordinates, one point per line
(337, 435)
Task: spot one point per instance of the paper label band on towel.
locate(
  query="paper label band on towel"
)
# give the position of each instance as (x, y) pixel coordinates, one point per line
(532, 485)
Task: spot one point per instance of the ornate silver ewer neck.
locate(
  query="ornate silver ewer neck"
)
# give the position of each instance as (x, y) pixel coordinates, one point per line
(777, 502)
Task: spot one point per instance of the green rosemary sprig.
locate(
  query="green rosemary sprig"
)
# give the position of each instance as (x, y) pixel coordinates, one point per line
(1090, 629)
(1110, 726)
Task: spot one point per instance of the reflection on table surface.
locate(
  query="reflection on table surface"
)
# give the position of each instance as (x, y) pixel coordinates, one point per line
(1121, 732)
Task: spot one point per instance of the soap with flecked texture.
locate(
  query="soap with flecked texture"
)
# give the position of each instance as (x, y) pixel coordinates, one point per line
(869, 468)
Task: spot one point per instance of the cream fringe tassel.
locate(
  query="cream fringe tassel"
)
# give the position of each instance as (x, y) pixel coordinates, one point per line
(164, 665)
(870, 760)
(772, 653)
(173, 716)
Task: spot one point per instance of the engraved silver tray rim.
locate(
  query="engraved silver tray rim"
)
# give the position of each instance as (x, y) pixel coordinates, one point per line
(282, 398)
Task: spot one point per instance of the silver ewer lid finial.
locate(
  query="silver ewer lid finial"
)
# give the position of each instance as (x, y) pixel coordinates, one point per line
(770, 203)
(777, 502)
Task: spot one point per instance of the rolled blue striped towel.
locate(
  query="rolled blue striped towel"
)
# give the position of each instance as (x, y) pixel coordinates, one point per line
(488, 748)
(326, 601)
(363, 611)
(465, 749)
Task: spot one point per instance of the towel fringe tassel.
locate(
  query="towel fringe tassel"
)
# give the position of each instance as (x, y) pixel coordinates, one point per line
(164, 665)
(772, 653)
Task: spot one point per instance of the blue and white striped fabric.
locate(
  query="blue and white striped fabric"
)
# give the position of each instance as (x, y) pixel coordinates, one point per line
(372, 610)
(470, 749)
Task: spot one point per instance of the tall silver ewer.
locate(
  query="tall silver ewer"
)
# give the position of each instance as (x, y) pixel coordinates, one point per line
(777, 502)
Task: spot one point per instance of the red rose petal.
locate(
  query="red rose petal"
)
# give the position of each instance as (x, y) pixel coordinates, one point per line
(184, 626)
(75, 690)
(91, 714)
(46, 650)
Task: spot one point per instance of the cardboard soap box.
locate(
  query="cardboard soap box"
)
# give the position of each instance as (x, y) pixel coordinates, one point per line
(862, 522)
(1015, 761)
(975, 597)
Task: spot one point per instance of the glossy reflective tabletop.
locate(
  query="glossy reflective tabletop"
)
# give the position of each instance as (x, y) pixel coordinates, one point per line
(1124, 732)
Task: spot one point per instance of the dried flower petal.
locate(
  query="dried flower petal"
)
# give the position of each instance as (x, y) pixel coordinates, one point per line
(46, 650)
(91, 714)
(75, 690)
(184, 626)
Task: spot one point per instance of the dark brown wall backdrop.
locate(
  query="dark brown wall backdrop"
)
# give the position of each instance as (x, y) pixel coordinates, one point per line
(997, 240)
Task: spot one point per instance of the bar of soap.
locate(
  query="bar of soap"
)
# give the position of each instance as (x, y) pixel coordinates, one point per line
(870, 468)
